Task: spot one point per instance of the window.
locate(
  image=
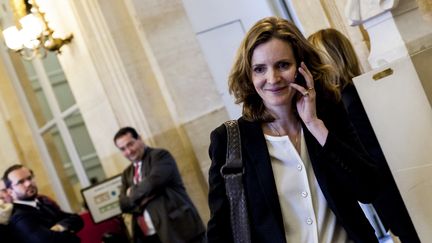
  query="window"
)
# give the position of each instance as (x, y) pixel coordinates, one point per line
(63, 136)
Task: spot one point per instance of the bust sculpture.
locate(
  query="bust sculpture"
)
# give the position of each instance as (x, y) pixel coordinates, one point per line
(359, 11)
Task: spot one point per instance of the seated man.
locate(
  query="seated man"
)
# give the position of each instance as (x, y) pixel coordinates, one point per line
(37, 218)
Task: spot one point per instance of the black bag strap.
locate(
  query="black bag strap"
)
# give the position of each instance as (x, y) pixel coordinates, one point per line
(232, 173)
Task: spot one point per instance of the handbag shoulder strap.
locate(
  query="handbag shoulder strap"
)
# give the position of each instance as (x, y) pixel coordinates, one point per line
(233, 156)
(232, 173)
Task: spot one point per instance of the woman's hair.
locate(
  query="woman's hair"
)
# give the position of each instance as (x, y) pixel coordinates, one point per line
(337, 51)
(240, 78)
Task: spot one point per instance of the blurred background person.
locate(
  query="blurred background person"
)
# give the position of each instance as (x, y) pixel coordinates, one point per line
(338, 52)
(37, 218)
(153, 192)
(6, 207)
(4, 194)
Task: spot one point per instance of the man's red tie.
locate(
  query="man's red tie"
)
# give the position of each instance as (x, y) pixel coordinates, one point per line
(140, 219)
(137, 177)
(143, 225)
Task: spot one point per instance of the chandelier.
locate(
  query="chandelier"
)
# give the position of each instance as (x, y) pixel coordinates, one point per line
(34, 38)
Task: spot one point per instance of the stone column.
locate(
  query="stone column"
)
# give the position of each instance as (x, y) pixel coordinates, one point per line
(138, 63)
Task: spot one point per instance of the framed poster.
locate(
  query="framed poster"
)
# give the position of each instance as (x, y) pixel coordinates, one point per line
(102, 199)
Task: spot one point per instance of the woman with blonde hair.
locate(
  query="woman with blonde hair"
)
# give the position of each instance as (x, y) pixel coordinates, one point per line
(338, 52)
(303, 166)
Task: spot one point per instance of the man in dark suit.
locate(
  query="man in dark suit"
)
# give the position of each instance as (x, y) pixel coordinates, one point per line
(37, 218)
(153, 192)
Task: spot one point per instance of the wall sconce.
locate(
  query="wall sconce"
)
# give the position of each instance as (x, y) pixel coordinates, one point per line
(35, 37)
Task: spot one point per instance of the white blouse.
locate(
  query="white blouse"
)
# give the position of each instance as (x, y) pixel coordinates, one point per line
(306, 216)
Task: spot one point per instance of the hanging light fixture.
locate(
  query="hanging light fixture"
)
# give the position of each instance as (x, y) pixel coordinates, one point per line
(35, 37)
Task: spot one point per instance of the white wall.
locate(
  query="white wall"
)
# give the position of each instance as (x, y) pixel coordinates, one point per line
(220, 27)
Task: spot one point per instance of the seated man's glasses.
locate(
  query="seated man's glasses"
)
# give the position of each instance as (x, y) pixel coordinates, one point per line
(23, 180)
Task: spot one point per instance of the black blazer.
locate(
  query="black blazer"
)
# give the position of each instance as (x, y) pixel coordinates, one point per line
(343, 170)
(6, 234)
(29, 224)
(389, 204)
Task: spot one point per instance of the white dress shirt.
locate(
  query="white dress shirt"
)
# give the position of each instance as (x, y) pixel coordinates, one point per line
(306, 215)
(32, 203)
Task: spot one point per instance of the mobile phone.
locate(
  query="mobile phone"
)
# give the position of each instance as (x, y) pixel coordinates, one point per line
(300, 79)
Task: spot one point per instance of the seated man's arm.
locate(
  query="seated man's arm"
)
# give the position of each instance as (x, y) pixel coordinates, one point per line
(27, 229)
(70, 222)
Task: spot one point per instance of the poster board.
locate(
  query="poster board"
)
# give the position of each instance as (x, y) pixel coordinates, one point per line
(102, 199)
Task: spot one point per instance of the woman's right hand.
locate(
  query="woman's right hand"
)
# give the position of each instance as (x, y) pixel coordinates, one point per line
(306, 106)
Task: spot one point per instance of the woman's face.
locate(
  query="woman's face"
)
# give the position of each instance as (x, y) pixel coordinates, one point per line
(273, 69)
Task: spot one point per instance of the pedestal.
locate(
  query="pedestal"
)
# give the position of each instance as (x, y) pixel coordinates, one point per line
(398, 100)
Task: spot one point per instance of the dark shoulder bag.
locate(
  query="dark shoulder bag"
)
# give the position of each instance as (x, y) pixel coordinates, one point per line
(232, 173)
